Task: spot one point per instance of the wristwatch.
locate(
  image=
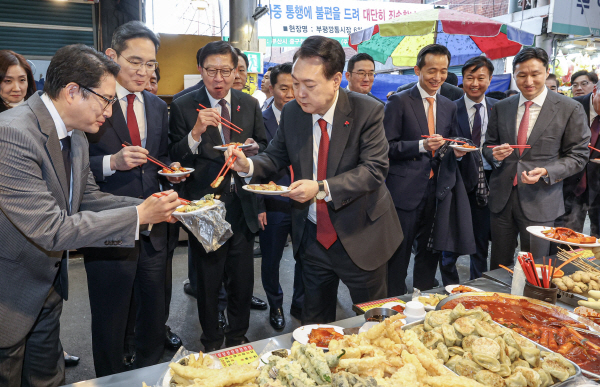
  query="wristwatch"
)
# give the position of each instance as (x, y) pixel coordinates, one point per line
(321, 194)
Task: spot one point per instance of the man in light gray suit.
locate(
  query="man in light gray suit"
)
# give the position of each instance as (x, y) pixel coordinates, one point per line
(526, 185)
(51, 204)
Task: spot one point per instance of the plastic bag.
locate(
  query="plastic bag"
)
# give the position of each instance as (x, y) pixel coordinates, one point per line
(208, 226)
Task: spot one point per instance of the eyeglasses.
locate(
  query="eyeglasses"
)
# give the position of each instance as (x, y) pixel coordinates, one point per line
(213, 72)
(363, 74)
(108, 101)
(582, 84)
(137, 64)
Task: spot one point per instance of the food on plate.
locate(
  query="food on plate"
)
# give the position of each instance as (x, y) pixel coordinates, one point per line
(462, 289)
(567, 235)
(322, 336)
(206, 201)
(265, 187)
(174, 170)
(579, 282)
(588, 313)
(233, 143)
(551, 327)
(467, 146)
(431, 299)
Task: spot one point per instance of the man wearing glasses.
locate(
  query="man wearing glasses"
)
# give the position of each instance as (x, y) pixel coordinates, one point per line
(583, 82)
(118, 277)
(361, 74)
(195, 128)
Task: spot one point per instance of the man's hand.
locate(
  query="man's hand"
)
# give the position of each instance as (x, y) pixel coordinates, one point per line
(128, 158)
(206, 118)
(175, 180)
(253, 150)
(303, 190)
(433, 143)
(459, 154)
(156, 210)
(502, 151)
(262, 220)
(241, 164)
(533, 176)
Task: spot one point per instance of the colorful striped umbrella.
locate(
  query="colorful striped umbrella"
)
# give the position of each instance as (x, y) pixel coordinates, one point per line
(466, 35)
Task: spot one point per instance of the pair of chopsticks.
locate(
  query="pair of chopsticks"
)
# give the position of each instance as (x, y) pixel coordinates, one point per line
(529, 269)
(154, 160)
(228, 124)
(161, 194)
(446, 139)
(512, 146)
(222, 174)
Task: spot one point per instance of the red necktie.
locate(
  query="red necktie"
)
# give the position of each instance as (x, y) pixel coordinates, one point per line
(326, 234)
(132, 125)
(522, 135)
(595, 128)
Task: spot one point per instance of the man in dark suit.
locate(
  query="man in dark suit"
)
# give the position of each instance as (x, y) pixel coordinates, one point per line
(473, 114)
(51, 204)
(361, 74)
(581, 190)
(276, 221)
(452, 92)
(116, 276)
(195, 87)
(526, 186)
(343, 223)
(412, 178)
(193, 135)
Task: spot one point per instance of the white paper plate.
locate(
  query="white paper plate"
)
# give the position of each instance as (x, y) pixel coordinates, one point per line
(177, 174)
(264, 359)
(166, 379)
(217, 201)
(272, 193)
(460, 148)
(595, 161)
(449, 289)
(224, 148)
(537, 231)
(301, 334)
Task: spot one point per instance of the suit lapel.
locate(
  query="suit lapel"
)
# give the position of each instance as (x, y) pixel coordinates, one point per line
(512, 122)
(78, 141)
(441, 115)
(543, 121)
(419, 110)
(339, 132)
(211, 131)
(463, 118)
(304, 130)
(118, 123)
(153, 125)
(270, 122)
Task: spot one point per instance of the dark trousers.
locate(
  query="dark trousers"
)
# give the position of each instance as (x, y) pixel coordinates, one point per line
(322, 271)
(576, 208)
(37, 360)
(192, 274)
(233, 261)
(416, 226)
(272, 243)
(509, 223)
(114, 277)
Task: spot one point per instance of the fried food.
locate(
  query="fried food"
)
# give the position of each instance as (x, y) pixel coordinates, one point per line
(567, 235)
(265, 187)
(467, 146)
(431, 299)
(322, 336)
(462, 289)
(206, 201)
(207, 377)
(174, 170)
(217, 182)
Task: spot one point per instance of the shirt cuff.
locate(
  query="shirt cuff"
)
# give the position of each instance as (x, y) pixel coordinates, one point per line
(137, 228)
(248, 176)
(328, 198)
(193, 144)
(422, 146)
(106, 171)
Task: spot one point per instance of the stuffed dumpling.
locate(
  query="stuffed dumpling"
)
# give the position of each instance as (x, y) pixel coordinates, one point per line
(489, 378)
(532, 377)
(516, 380)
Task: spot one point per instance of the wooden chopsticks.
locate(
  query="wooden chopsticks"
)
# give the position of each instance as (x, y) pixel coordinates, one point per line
(154, 160)
(161, 194)
(446, 139)
(512, 146)
(231, 125)
(222, 174)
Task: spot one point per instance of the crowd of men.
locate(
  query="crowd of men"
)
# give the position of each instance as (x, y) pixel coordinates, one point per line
(371, 183)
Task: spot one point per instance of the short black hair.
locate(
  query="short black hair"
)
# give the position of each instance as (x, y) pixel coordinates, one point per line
(499, 95)
(476, 63)
(244, 56)
(157, 71)
(358, 58)
(590, 74)
(434, 49)
(554, 78)
(284, 68)
(217, 47)
(80, 64)
(452, 79)
(511, 92)
(531, 53)
(131, 30)
(198, 55)
(330, 51)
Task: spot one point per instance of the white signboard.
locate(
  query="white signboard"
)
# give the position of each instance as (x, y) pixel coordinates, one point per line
(289, 22)
(575, 17)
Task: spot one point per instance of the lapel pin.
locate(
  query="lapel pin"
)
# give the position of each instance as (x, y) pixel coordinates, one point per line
(238, 109)
(346, 123)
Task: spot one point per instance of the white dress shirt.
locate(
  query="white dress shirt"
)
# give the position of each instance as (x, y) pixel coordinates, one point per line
(277, 113)
(483, 112)
(534, 110)
(214, 103)
(593, 112)
(424, 96)
(140, 116)
(61, 131)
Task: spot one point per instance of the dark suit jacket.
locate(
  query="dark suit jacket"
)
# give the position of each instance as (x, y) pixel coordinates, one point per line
(464, 129)
(140, 182)
(207, 163)
(558, 142)
(275, 206)
(197, 86)
(361, 208)
(372, 96)
(405, 122)
(36, 223)
(449, 91)
(592, 169)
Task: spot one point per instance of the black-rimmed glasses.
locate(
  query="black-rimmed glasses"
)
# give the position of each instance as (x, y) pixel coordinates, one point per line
(108, 101)
(137, 64)
(213, 72)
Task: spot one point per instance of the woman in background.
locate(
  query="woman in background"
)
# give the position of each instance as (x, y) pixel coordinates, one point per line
(16, 80)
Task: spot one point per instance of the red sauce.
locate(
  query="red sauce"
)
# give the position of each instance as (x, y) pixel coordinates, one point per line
(398, 308)
(580, 348)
